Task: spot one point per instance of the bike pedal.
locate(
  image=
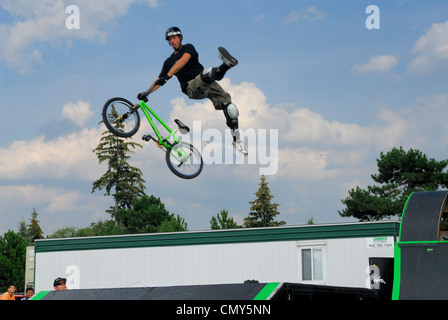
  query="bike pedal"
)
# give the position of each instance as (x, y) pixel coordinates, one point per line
(146, 137)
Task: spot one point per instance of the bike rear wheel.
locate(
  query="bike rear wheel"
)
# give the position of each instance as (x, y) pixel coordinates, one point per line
(120, 117)
(184, 160)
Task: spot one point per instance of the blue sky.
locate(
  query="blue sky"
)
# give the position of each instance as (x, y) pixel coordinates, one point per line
(336, 92)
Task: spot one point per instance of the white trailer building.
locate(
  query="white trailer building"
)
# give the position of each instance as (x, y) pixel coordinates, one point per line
(349, 255)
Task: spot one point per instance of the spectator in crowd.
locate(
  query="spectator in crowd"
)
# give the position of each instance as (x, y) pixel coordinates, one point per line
(60, 284)
(29, 292)
(9, 295)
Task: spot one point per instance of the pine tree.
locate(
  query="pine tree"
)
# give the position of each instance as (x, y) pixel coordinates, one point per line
(34, 230)
(262, 211)
(175, 223)
(23, 230)
(121, 180)
(222, 221)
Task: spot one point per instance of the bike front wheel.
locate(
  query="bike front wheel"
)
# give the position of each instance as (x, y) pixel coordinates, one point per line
(184, 160)
(120, 117)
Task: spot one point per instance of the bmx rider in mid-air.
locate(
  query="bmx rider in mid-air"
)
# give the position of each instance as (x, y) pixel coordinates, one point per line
(199, 83)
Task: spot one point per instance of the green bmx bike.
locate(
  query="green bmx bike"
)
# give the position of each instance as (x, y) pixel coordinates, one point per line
(122, 118)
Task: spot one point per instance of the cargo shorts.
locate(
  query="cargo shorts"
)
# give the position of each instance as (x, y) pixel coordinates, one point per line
(197, 89)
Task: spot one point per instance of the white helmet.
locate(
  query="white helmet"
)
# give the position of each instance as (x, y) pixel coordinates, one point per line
(173, 31)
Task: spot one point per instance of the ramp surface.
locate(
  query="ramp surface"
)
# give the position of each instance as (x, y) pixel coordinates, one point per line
(420, 257)
(421, 217)
(244, 291)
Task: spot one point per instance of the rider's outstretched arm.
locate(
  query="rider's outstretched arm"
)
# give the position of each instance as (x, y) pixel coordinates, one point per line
(179, 64)
(174, 69)
(154, 86)
(163, 79)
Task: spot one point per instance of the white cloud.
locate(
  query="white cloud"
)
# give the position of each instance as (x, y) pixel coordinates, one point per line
(43, 21)
(259, 18)
(312, 151)
(48, 198)
(307, 164)
(310, 13)
(56, 207)
(381, 63)
(78, 112)
(66, 157)
(153, 3)
(312, 148)
(431, 49)
(315, 147)
(298, 126)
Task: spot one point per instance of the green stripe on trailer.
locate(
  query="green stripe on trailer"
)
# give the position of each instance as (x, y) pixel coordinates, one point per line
(402, 214)
(397, 259)
(397, 273)
(229, 236)
(40, 295)
(267, 291)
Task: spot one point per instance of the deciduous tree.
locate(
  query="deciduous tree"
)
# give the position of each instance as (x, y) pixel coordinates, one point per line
(399, 174)
(12, 260)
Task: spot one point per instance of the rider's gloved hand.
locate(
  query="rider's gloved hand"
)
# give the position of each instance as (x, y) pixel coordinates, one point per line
(162, 80)
(142, 95)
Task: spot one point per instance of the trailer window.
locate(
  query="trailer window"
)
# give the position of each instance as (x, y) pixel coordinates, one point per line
(312, 264)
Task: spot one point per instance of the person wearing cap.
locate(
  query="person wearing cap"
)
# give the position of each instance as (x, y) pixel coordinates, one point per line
(60, 284)
(9, 295)
(197, 82)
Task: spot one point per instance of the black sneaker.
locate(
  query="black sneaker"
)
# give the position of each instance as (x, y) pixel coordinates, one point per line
(225, 56)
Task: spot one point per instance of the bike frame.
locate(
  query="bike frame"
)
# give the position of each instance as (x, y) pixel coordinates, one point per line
(182, 154)
(163, 141)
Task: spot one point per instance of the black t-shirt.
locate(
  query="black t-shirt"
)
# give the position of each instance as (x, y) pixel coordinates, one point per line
(189, 71)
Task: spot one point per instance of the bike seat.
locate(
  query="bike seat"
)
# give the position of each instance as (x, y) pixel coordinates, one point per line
(183, 128)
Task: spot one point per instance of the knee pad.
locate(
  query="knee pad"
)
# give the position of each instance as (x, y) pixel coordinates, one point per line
(231, 112)
(208, 75)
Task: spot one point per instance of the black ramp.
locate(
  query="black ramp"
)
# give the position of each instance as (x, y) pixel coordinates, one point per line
(420, 220)
(241, 292)
(246, 291)
(421, 257)
(423, 272)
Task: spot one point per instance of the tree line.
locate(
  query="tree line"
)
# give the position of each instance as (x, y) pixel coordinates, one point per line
(144, 214)
(135, 212)
(399, 174)
(132, 211)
